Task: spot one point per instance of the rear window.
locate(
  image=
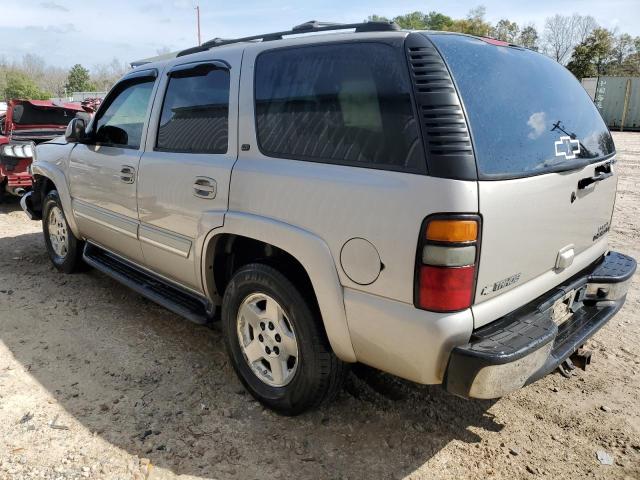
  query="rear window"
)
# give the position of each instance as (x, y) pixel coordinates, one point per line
(346, 103)
(528, 115)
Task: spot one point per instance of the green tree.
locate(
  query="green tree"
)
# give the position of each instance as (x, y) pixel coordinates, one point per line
(624, 56)
(419, 21)
(377, 18)
(78, 80)
(19, 85)
(412, 21)
(528, 38)
(591, 56)
(438, 21)
(506, 31)
(474, 24)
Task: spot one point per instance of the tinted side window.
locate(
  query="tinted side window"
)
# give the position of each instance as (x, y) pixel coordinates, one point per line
(195, 113)
(342, 103)
(122, 122)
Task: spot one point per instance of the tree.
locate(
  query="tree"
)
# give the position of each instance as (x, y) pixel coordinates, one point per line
(78, 80)
(437, 21)
(477, 24)
(625, 56)
(418, 20)
(474, 24)
(412, 21)
(506, 31)
(377, 18)
(528, 38)
(106, 74)
(33, 66)
(591, 57)
(19, 85)
(563, 33)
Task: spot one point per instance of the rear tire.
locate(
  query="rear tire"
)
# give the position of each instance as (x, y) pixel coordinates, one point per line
(266, 323)
(64, 249)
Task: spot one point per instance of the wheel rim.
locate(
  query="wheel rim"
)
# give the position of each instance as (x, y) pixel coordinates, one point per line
(58, 235)
(267, 340)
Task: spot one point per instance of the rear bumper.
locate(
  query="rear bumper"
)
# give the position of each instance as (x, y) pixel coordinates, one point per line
(525, 345)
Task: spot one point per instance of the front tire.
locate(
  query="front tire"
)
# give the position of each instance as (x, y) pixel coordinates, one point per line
(64, 249)
(276, 343)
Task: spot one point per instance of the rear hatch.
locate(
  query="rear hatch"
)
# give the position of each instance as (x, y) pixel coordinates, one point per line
(546, 170)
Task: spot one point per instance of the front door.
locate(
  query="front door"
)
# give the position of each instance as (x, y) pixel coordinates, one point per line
(186, 167)
(103, 172)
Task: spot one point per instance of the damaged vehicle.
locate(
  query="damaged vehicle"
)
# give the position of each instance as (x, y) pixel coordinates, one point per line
(25, 124)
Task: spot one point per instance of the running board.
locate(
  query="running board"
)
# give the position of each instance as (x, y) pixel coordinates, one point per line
(188, 305)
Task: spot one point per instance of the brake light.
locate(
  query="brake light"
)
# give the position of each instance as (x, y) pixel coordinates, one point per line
(446, 262)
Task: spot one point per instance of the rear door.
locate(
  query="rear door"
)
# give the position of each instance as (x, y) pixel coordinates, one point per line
(186, 168)
(547, 179)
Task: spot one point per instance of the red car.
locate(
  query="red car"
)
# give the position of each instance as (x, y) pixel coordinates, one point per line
(26, 123)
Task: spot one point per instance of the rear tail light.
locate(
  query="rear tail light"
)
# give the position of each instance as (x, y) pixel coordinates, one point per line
(446, 263)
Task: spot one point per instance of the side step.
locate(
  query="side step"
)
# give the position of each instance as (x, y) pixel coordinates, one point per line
(186, 304)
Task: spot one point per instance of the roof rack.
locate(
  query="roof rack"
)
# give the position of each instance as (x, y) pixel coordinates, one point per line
(307, 27)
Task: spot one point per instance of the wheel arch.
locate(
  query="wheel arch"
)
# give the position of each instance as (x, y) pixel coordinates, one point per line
(48, 177)
(309, 253)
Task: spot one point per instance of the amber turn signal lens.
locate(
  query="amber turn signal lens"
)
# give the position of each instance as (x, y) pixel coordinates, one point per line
(452, 230)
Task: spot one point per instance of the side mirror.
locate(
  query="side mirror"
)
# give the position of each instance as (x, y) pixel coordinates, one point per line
(75, 132)
(112, 135)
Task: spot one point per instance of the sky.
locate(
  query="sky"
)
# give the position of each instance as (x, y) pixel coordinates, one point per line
(91, 32)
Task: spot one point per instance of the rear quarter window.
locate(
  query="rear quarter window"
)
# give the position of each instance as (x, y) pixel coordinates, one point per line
(528, 115)
(345, 103)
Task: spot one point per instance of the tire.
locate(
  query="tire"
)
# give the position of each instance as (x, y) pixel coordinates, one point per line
(68, 257)
(315, 376)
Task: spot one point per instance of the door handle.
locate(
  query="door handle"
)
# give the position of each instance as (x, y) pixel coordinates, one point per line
(127, 174)
(205, 187)
(602, 172)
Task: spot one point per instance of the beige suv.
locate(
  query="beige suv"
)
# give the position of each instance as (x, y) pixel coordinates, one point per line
(433, 205)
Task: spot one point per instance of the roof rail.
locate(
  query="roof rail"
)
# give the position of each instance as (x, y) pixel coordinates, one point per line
(311, 26)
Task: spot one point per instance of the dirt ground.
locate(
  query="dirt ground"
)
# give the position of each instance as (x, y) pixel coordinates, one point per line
(97, 382)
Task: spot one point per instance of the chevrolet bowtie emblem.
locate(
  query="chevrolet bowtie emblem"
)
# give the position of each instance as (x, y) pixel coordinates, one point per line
(568, 147)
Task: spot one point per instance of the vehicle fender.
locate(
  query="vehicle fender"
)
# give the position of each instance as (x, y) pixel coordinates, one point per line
(56, 175)
(314, 255)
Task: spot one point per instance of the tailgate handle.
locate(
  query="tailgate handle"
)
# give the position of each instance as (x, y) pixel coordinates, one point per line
(602, 172)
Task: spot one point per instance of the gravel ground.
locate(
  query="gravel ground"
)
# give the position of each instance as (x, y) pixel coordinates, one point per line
(97, 382)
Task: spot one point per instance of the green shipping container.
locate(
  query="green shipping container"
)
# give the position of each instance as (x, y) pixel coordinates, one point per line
(618, 99)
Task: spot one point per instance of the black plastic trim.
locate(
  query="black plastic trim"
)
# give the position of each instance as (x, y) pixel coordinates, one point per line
(139, 74)
(307, 27)
(531, 327)
(186, 304)
(198, 68)
(443, 123)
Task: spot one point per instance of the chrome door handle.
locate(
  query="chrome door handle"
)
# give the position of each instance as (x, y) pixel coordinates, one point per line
(127, 174)
(205, 187)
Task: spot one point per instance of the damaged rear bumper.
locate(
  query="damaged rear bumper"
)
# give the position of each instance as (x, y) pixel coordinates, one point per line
(527, 344)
